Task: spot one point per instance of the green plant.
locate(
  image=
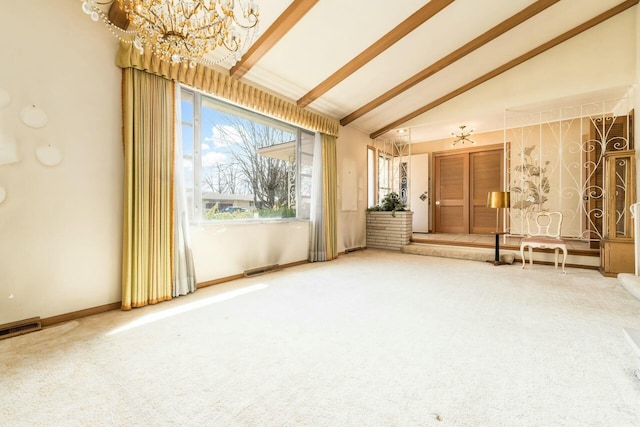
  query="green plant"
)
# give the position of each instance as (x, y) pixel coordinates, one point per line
(390, 203)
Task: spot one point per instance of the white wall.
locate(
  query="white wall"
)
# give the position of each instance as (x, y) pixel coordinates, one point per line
(636, 124)
(60, 226)
(352, 188)
(223, 250)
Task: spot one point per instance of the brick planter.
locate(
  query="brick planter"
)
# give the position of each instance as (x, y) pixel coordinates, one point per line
(384, 231)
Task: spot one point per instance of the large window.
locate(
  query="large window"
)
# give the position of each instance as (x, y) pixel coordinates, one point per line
(243, 165)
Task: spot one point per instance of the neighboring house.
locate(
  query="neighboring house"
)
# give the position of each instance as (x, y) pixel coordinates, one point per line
(225, 201)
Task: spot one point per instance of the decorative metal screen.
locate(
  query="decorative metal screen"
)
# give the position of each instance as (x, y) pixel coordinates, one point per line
(393, 166)
(556, 162)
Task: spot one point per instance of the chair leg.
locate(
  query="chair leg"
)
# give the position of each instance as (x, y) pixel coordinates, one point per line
(530, 256)
(555, 251)
(522, 256)
(564, 258)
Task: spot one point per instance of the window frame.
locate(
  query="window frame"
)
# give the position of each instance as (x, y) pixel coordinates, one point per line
(198, 101)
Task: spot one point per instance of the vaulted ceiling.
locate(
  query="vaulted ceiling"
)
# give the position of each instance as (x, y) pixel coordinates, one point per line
(378, 65)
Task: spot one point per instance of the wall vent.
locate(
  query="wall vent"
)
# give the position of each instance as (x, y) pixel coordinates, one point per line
(20, 327)
(262, 270)
(349, 250)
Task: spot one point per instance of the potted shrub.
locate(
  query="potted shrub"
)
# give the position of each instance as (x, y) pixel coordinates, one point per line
(389, 224)
(390, 203)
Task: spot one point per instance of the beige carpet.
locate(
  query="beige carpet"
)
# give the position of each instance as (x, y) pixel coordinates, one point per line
(373, 339)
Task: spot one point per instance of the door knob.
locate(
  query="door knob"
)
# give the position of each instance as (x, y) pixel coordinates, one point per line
(437, 202)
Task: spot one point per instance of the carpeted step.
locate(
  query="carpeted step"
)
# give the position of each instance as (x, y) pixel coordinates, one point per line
(475, 254)
(633, 338)
(631, 283)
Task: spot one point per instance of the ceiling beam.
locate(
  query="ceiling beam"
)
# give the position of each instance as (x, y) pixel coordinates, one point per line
(405, 27)
(509, 65)
(275, 32)
(474, 44)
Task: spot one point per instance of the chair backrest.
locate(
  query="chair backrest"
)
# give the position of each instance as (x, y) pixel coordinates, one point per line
(544, 223)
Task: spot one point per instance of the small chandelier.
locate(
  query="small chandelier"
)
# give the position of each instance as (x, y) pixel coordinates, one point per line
(182, 31)
(462, 136)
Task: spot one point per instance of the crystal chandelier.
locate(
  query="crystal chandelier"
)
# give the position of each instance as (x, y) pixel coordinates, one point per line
(462, 136)
(182, 30)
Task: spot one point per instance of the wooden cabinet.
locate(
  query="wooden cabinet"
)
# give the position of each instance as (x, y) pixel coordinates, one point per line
(616, 247)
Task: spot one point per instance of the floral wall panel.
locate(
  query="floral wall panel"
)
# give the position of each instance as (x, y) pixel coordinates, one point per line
(555, 162)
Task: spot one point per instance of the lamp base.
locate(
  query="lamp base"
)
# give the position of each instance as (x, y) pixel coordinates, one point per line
(496, 258)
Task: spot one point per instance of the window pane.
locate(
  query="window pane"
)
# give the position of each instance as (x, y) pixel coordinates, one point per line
(306, 164)
(371, 177)
(248, 164)
(186, 114)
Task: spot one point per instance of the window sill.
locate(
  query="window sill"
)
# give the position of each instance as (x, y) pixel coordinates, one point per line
(248, 221)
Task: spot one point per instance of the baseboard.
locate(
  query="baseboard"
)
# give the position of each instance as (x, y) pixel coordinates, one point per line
(349, 250)
(568, 265)
(75, 315)
(218, 281)
(242, 276)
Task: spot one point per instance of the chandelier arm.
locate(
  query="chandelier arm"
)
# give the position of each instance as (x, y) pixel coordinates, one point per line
(183, 30)
(159, 26)
(246, 27)
(188, 16)
(233, 48)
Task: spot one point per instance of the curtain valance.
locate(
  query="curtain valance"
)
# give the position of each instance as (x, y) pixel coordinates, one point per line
(226, 87)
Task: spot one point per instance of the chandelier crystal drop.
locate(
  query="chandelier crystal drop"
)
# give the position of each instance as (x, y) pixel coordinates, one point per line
(463, 136)
(183, 31)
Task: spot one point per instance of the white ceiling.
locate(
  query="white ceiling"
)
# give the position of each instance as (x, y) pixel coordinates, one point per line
(333, 32)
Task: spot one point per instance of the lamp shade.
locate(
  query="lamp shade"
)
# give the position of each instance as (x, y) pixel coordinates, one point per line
(498, 199)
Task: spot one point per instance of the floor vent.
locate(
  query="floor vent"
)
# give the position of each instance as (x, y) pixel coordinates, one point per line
(262, 270)
(349, 250)
(20, 327)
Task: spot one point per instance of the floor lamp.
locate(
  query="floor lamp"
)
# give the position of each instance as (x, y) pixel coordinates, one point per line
(498, 200)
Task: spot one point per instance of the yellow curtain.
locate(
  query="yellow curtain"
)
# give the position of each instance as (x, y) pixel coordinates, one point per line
(148, 139)
(330, 195)
(224, 86)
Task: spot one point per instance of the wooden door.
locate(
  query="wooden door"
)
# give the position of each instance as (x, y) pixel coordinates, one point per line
(461, 184)
(485, 171)
(451, 175)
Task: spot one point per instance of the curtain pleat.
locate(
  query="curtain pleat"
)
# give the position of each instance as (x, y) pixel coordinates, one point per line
(148, 138)
(224, 86)
(330, 194)
(317, 237)
(324, 200)
(184, 276)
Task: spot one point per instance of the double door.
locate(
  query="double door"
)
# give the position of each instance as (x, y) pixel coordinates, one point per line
(462, 181)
